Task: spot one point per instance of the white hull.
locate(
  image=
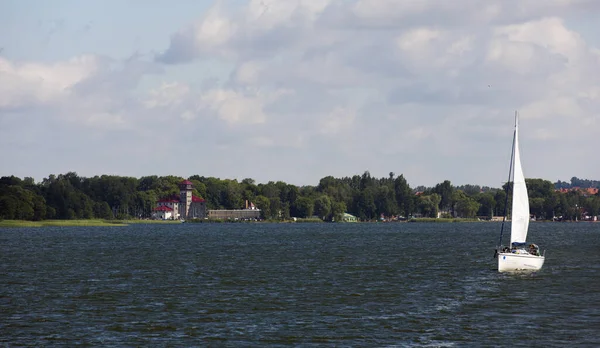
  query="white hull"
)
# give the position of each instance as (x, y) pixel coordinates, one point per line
(510, 262)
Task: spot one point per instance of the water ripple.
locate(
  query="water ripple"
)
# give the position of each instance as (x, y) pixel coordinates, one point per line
(387, 285)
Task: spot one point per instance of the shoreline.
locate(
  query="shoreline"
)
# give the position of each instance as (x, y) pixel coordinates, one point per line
(118, 223)
(79, 223)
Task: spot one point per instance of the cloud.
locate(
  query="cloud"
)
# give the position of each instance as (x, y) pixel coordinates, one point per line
(261, 29)
(24, 83)
(424, 88)
(85, 89)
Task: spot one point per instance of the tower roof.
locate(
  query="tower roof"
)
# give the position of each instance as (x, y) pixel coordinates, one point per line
(162, 208)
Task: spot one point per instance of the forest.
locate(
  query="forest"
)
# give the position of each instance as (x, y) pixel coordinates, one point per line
(69, 196)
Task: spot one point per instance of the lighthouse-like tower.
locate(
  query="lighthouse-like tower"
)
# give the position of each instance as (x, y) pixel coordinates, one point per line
(185, 198)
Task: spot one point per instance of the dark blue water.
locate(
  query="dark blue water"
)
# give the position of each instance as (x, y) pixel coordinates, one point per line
(296, 285)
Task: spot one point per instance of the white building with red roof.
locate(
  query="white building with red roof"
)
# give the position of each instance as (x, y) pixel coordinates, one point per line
(184, 206)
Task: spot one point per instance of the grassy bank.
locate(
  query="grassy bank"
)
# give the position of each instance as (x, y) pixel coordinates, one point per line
(81, 222)
(309, 220)
(46, 223)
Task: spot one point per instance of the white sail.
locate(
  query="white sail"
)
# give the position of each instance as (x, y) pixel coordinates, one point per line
(520, 200)
(519, 258)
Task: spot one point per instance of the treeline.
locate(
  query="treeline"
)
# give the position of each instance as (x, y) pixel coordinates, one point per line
(576, 182)
(69, 196)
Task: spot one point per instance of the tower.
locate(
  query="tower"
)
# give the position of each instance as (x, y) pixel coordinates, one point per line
(185, 198)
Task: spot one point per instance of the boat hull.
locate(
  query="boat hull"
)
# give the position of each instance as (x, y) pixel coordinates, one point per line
(511, 262)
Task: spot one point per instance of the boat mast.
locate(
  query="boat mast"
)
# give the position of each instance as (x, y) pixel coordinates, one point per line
(512, 154)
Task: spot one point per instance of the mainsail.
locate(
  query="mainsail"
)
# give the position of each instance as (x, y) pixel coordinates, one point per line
(520, 200)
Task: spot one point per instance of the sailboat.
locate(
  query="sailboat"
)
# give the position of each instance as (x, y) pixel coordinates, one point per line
(519, 256)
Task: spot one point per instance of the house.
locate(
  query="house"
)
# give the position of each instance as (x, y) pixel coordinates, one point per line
(184, 206)
(349, 218)
(163, 213)
(251, 212)
(586, 192)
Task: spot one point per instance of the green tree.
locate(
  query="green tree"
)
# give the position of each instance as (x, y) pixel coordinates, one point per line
(385, 201)
(464, 206)
(404, 196)
(501, 207)
(337, 211)
(487, 204)
(429, 204)
(592, 205)
(445, 191)
(304, 207)
(550, 205)
(233, 196)
(102, 210)
(536, 207)
(8, 207)
(364, 203)
(276, 208)
(264, 204)
(323, 206)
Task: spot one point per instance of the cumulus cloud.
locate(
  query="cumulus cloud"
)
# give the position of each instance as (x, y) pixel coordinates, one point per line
(24, 83)
(85, 89)
(424, 88)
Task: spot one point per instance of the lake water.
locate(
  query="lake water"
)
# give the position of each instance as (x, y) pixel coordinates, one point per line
(321, 285)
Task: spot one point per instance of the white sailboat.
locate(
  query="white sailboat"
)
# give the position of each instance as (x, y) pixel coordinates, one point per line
(519, 256)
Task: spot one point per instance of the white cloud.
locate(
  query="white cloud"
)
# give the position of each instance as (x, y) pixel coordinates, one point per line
(30, 82)
(341, 86)
(268, 15)
(337, 121)
(216, 29)
(234, 107)
(548, 33)
(248, 73)
(418, 40)
(168, 95)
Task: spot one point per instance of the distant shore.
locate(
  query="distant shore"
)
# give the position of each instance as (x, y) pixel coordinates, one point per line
(81, 222)
(101, 222)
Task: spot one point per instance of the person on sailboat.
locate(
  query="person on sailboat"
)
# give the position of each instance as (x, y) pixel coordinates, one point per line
(534, 250)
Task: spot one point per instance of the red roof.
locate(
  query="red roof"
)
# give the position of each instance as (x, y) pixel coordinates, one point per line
(176, 199)
(197, 199)
(185, 182)
(163, 208)
(172, 199)
(586, 191)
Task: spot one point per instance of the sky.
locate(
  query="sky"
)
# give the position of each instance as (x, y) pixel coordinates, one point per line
(296, 90)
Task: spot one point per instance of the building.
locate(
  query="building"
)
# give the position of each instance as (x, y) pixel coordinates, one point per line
(349, 218)
(586, 192)
(251, 212)
(163, 213)
(184, 206)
